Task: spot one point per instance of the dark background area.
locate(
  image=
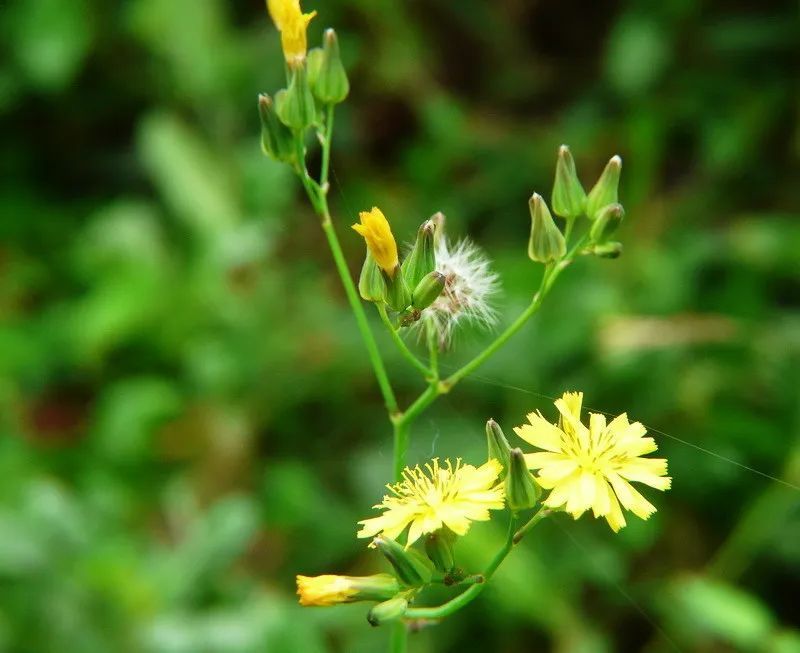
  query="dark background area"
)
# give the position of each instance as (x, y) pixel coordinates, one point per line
(187, 415)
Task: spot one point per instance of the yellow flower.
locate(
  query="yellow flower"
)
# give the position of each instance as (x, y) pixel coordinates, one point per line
(331, 589)
(592, 467)
(380, 241)
(451, 496)
(292, 23)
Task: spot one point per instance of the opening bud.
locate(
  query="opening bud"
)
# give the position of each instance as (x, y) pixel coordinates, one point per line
(421, 260)
(439, 548)
(438, 220)
(611, 249)
(604, 191)
(607, 222)
(276, 139)
(547, 243)
(326, 73)
(410, 567)
(332, 590)
(371, 285)
(397, 296)
(499, 449)
(388, 611)
(427, 290)
(295, 107)
(569, 198)
(522, 491)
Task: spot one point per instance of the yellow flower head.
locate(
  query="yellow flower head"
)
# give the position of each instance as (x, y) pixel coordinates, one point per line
(429, 499)
(292, 23)
(331, 590)
(324, 590)
(592, 467)
(380, 241)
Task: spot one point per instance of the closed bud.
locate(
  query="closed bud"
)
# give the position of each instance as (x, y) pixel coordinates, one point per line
(410, 567)
(388, 611)
(398, 296)
(427, 290)
(421, 260)
(276, 139)
(569, 198)
(331, 589)
(604, 191)
(499, 449)
(439, 548)
(607, 222)
(371, 285)
(327, 76)
(547, 242)
(296, 105)
(522, 491)
(610, 249)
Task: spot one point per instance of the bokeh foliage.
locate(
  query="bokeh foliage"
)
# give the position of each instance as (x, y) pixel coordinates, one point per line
(187, 415)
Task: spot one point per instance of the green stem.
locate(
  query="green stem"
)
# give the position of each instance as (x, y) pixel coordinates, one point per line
(326, 148)
(401, 345)
(453, 605)
(551, 272)
(316, 195)
(399, 638)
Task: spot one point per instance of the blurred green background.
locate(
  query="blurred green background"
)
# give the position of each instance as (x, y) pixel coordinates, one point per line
(188, 418)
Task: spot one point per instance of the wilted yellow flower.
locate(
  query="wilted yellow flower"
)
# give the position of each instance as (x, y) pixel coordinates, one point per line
(292, 23)
(330, 589)
(429, 499)
(380, 241)
(591, 467)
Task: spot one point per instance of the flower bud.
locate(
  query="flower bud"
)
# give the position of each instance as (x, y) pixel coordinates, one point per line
(522, 491)
(439, 548)
(276, 139)
(498, 445)
(605, 190)
(398, 296)
(547, 242)
(569, 198)
(421, 260)
(327, 77)
(295, 107)
(427, 290)
(332, 590)
(607, 222)
(388, 611)
(411, 568)
(371, 285)
(610, 249)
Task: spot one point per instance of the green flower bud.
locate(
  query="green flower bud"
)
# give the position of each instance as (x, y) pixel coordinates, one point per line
(410, 567)
(398, 296)
(371, 285)
(295, 107)
(427, 290)
(522, 491)
(421, 260)
(439, 548)
(276, 139)
(327, 77)
(388, 611)
(605, 190)
(610, 249)
(499, 449)
(607, 222)
(569, 198)
(547, 243)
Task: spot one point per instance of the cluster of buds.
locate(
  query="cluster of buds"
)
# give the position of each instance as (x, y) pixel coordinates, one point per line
(407, 288)
(600, 206)
(522, 491)
(315, 80)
